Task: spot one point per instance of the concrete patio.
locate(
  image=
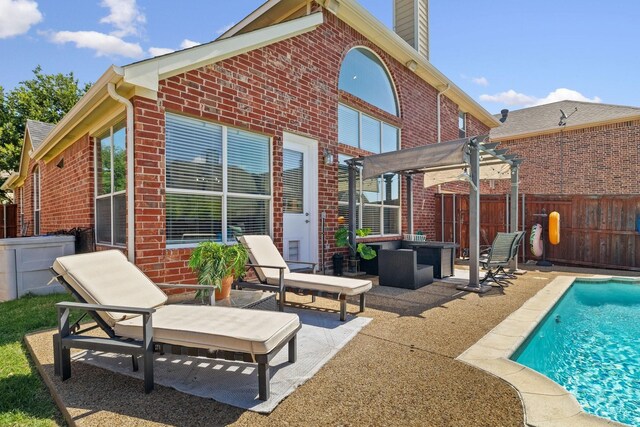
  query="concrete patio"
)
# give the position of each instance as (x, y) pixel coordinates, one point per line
(399, 370)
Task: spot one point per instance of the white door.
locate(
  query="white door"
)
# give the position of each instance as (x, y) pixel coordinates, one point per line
(300, 200)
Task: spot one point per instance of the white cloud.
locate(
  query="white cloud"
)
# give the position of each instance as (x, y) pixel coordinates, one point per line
(224, 29)
(17, 16)
(125, 17)
(482, 81)
(103, 44)
(186, 43)
(511, 98)
(564, 94)
(157, 51)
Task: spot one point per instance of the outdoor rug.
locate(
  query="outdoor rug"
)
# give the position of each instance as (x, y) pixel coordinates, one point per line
(236, 383)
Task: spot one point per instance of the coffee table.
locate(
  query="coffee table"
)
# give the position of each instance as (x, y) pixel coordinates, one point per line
(254, 299)
(257, 300)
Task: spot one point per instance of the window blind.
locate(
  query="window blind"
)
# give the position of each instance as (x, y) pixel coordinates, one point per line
(193, 154)
(248, 159)
(293, 181)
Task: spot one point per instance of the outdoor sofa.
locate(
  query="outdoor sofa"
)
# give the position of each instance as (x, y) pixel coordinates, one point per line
(272, 270)
(399, 268)
(133, 313)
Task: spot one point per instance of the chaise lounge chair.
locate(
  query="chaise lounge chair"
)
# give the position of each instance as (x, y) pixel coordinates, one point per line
(503, 249)
(272, 270)
(131, 310)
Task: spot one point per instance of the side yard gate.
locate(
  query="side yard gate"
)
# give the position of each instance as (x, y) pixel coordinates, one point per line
(595, 231)
(8, 221)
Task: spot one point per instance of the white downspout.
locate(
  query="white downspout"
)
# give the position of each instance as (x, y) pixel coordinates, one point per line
(131, 242)
(446, 88)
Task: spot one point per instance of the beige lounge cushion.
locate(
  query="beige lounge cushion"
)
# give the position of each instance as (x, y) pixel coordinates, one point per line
(317, 282)
(211, 327)
(108, 278)
(262, 251)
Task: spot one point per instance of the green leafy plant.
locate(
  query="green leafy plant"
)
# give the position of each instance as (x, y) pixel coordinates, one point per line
(342, 241)
(213, 261)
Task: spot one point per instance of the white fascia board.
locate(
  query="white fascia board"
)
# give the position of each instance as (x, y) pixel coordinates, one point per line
(357, 17)
(148, 73)
(261, 10)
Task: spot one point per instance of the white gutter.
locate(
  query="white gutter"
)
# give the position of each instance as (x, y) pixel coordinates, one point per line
(438, 112)
(131, 243)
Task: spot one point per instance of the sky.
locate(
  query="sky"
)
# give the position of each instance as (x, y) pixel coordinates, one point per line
(504, 54)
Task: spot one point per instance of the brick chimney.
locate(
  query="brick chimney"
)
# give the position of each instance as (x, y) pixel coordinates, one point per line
(411, 22)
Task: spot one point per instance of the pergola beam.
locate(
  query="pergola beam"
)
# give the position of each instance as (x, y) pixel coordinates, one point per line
(467, 153)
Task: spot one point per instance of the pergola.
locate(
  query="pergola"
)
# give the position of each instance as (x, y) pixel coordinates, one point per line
(467, 159)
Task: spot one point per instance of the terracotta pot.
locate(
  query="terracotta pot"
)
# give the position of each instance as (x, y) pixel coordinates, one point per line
(226, 288)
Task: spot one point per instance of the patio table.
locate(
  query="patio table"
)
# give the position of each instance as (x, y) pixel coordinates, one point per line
(438, 254)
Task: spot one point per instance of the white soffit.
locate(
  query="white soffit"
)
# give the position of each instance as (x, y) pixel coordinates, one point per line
(148, 73)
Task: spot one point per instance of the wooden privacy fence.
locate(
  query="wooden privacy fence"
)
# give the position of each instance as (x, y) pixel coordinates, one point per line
(8, 221)
(595, 231)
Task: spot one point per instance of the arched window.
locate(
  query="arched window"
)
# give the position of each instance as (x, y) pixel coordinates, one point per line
(363, 75)
(378, 199)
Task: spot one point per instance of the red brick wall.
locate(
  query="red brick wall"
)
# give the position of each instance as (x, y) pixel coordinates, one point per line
(288, 86)
(596, 160)
(66, 199)
(67, 193)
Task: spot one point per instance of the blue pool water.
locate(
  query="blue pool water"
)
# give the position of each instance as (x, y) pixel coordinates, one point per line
(590, 344)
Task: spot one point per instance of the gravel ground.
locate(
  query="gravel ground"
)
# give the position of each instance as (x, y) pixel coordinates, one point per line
(399, 370)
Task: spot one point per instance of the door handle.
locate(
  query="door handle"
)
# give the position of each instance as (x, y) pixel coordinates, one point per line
(307, 221)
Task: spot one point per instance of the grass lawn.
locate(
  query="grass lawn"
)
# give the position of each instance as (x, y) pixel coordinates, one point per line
(24, 398)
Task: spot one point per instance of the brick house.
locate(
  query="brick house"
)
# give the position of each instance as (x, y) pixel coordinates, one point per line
(583, 160)
(595, 151)
(248, 134)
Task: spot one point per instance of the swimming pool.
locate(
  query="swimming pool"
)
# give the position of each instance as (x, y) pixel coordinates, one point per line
(590, 344)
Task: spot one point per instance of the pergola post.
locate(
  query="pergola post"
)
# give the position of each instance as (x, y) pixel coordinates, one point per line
(352, 206)
(474, 222)
(514, 208)
(410, 204)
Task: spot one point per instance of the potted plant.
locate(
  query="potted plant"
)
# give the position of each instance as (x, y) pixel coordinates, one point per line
(361, 250)
(217, 265)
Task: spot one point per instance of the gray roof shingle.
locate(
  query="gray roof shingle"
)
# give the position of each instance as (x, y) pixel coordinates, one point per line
(38, 131)
(545, 118)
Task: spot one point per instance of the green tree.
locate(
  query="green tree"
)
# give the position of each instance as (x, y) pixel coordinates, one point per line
(45, 97)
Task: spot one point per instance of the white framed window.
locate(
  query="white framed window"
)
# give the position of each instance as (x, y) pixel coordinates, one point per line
(363, 131)
(36, 201)
(377, 200)
(462, 124)
(22, 230)
(218, 182)
(110, 186)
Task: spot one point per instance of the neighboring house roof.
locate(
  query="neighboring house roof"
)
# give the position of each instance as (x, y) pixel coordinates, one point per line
(275, 21)
(34, 133)
(38, 131)
(545, 119)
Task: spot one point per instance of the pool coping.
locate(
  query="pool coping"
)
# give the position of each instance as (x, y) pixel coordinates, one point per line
(545, 402)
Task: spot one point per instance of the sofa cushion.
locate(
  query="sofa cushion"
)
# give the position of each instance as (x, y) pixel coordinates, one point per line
(317, 282)
(215, 328)
(108, 278)
(262, 251)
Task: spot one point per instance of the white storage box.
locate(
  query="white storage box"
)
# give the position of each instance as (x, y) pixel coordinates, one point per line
(25, 262)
